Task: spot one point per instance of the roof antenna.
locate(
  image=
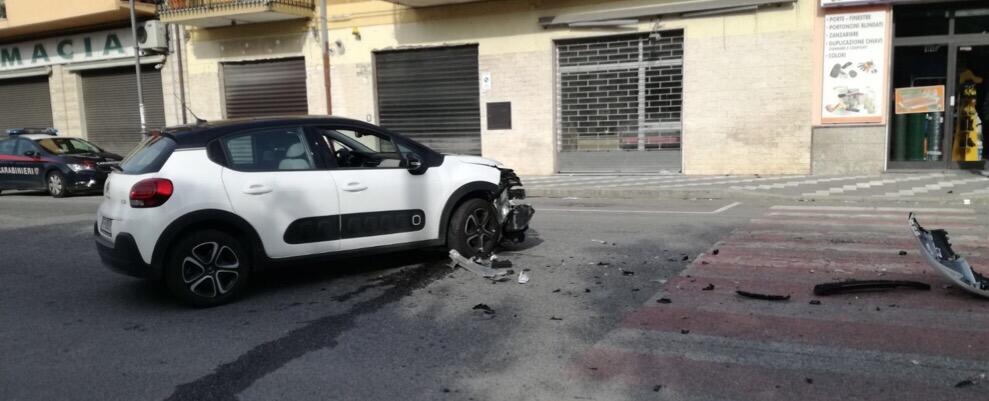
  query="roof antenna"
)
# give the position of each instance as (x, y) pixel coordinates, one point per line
(199, 121)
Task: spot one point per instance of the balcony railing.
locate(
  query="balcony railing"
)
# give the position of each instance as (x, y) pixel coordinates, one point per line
(215, 13)
(180, 6)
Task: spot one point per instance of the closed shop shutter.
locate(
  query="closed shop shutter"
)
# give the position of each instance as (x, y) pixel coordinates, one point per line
(113, 119)
(619, 103)
(265, 88)
(25, 103)
(432, 96)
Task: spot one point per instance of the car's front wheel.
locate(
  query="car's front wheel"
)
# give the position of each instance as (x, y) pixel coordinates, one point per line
(56, 185)
(207, 268)
(474, 228)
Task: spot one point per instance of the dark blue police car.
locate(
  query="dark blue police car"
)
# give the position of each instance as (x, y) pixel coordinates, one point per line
(39, 159)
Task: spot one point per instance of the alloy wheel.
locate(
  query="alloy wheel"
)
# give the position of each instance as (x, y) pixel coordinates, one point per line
(210, 269)
(481, 229)
(55, 184)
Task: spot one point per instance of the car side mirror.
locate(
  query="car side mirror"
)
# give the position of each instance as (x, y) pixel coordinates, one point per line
(31, 153)
(416, 166)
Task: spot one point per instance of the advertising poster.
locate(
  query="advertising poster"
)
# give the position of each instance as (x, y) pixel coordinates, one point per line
(854, 67)
(920, 99)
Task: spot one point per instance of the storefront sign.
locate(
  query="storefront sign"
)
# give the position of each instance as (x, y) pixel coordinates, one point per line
(854, 67)
(91, 46)
(920, 99)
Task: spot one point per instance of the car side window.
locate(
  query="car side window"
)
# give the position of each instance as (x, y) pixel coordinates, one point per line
(8, 147)
(24, 145)
(362, 149)
(270, 149)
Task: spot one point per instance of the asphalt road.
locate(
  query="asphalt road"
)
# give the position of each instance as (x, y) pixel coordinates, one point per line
(398, 326)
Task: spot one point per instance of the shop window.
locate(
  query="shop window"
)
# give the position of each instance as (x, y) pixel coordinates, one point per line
(921, 21)
(3, 9)
(972, 21)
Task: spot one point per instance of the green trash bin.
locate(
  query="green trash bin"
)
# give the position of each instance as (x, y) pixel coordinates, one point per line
(916, 132)
(900, 137)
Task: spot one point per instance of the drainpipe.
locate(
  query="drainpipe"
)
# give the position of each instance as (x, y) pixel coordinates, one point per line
(326, 56)
(179, 36)
(137, 69)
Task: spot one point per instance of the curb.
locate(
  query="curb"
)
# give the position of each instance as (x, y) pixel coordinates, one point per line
(669, 194)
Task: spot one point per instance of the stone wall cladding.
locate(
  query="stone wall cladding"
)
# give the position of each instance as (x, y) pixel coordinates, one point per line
(526, 80)
(747, 100)
(66, 95)
(849, 150)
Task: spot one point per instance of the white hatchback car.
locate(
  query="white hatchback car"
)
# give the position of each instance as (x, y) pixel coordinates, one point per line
(202, 207)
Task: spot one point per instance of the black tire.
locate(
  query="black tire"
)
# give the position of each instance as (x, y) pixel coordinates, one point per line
(207, 268)
(55, 182)
(474, 228)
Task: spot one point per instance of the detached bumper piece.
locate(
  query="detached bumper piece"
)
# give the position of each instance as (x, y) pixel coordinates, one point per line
(936, 248)
(513, 214)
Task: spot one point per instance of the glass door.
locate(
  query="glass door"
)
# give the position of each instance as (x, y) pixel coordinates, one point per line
(920, 80)
(971, 106)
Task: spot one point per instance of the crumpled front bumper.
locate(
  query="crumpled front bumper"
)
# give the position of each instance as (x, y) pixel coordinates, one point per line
(935, 246)
(513, 213)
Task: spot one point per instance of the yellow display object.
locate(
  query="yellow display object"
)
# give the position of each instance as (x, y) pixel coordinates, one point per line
(967, 146)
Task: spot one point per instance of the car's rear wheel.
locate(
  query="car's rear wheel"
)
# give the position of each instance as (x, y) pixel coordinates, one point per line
(207, 268)
(56, 185)
(474, 228)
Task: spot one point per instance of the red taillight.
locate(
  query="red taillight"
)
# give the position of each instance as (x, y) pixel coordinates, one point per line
(151, 192)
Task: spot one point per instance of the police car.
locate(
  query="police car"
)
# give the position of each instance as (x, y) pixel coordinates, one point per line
(39, 159)
(203, 207)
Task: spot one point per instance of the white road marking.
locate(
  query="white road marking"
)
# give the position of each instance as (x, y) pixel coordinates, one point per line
(873, 209)
(717, 211)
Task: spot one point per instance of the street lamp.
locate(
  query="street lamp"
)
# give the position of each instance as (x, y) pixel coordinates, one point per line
(137, 69)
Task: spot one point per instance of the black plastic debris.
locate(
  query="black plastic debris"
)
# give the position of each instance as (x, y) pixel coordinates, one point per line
(501, 264)
(808, 380)
(664, 301)
(764, 297)
(936, 247)
(484, 308)
(685, 258)
(555, 318)
(684, 331)
(709, 287)
(815, 302)
(965, 383)
(867, 285)
(903, 253)
(715, 252)
(628, 273)
(556, 290)
(604, 264)
(657, 387)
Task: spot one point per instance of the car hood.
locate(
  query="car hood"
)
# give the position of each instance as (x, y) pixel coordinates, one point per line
(475, 160)
(92, 157)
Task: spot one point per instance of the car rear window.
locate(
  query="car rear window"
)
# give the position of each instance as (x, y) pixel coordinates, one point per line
(148, 156)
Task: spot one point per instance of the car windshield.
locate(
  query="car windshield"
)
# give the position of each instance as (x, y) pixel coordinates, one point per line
(67, 146)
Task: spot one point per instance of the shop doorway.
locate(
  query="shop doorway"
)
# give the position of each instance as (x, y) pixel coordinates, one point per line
(940, 86)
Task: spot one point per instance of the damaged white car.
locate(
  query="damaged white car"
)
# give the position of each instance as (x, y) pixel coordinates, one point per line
(202, 207)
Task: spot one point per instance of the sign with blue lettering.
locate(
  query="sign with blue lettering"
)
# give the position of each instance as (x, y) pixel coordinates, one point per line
(93, 46)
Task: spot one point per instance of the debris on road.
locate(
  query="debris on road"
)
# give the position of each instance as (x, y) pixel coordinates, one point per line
(598, 241)
(709, 287)
(664, 301)
(764, 297)
(627, 272)
(484, 308)
(474, 266)
(555, 318)
(971, 381)
(523, 277)
(936, 247)
(815, 302)
(866, 285)
(903, 253)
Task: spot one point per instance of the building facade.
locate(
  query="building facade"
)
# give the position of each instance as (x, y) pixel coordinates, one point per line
(550, 86)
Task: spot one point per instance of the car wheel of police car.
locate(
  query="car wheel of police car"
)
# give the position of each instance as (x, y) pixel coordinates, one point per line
(56, 185)
(474, 228)
(207, 268)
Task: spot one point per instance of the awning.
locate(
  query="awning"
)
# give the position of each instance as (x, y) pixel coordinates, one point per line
(26, 72)
(121, 62)
(684, 9)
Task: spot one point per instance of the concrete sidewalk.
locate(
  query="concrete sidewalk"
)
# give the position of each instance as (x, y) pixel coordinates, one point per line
(950, 187)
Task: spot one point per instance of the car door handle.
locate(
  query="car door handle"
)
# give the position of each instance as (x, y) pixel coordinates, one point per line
(354, 187)
(257, 189)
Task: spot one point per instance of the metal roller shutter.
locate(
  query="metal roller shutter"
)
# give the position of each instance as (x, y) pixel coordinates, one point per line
(25, 103)
(265, 88)
(113, 120)
(432, 96)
